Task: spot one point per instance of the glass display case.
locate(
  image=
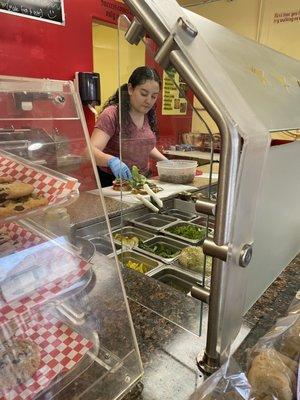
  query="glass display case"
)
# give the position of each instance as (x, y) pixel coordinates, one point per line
(65, 325)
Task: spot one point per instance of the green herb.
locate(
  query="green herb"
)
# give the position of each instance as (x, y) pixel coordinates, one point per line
(138, 180)
(188, 231)
(160, 249)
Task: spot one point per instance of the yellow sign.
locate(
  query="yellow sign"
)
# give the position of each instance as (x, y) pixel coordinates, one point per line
(174, 94)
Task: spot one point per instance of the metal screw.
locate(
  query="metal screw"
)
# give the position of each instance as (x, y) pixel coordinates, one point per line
(246, 255)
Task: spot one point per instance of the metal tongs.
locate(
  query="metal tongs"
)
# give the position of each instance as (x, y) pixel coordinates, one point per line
(148, 203)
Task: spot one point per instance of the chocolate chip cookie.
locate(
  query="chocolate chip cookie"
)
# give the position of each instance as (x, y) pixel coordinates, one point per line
(19, 360)
(14, 190)
(17, 206)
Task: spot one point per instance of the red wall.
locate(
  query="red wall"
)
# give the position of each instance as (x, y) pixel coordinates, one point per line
(39, 49)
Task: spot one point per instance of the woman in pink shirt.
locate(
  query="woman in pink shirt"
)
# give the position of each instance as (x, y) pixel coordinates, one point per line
(125, 135)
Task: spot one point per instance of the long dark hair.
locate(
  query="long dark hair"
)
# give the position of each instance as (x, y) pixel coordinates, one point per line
(138, 77)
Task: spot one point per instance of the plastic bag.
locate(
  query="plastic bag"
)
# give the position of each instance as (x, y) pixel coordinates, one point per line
(228, 383)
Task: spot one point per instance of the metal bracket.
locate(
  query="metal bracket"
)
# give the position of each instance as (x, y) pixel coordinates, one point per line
(162, 57)
(210, 248)
(135, 32)
(205, 207)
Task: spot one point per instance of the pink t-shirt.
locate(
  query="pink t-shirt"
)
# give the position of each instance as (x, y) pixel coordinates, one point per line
(136, 143)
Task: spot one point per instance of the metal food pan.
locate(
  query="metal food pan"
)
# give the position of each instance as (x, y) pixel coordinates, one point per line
(183, 215)
(153, 221)
(140, 258)
(202, 222)
(191, 241)
(176, 278)
(132, 231)
(173, 244)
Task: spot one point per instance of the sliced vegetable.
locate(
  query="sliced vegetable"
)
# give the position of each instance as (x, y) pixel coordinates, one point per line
(137, 266)
(193, 258)
(129, 241)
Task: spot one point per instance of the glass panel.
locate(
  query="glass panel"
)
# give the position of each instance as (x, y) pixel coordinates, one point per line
(63, 310)
(161, 238)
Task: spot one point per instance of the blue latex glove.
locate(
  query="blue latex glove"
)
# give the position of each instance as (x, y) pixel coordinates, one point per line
(119, 169)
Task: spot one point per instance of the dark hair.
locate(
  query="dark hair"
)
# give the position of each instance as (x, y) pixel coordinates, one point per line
(138, 77)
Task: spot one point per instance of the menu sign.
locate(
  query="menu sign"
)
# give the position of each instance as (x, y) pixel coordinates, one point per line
(174, 94)
(46, 10)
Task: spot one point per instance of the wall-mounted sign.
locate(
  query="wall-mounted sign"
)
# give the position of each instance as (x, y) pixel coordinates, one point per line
(46, 10)
(174, 94)
(113, 10)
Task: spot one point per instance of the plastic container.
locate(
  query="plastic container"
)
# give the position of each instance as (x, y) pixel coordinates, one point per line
(177, 171)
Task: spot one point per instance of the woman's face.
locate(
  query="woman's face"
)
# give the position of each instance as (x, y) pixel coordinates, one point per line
(144, 96)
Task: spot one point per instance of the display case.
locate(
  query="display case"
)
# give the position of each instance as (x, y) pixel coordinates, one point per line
(249, 91)
(65, 325)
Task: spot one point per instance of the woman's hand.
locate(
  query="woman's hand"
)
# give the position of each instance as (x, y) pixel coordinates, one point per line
(119, 169)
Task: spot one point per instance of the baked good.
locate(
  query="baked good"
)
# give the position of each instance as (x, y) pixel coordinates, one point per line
(19, 360)
(14, 190)
(291, 341)
(270, 375)
(6, 179)
(16, 206)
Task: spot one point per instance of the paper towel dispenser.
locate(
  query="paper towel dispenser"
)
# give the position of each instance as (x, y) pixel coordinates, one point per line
(88, 84)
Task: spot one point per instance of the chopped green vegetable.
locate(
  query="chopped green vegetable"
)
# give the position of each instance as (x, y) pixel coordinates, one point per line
(188, 231)
(160, 249)
(138, 180)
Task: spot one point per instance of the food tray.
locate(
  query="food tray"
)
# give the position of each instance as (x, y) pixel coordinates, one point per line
(174, 244)
(183, 215)
(202, 221)
(154, 222)
(46, 254)
(187, 240)
(58, 188)
(61, 349)
(131, 231)
(195, 274)
(132, 255)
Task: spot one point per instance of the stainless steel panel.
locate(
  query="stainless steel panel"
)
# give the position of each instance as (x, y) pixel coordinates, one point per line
(171, 243)
(136, 257)
(191, 241)
(154, 222)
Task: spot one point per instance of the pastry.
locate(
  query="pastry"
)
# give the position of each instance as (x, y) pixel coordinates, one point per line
(16, 206)
(19, 360)
(6, 179)
(14, 190)
(270, 375)
(291, 342)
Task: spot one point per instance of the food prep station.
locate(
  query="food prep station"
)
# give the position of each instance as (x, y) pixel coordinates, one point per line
(152, 231)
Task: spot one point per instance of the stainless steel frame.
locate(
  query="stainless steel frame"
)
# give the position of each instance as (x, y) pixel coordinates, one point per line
(229, 161)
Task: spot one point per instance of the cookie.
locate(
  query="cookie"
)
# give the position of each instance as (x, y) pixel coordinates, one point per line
(6, 179)
(12, 207)
(14, 190)
(18, 362)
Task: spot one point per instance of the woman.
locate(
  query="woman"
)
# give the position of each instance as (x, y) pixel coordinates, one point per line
(136, 142)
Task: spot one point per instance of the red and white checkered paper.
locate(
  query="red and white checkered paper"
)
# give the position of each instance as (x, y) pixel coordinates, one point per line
(22, 236)
(50, 186)
(61, 349)
(48, 291)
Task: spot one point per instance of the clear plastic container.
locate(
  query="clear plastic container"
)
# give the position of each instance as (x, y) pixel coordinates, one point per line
(177, 171)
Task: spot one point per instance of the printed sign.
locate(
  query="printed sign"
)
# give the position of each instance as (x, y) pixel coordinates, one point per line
(46, 10)
(174, 94)
(113, 10)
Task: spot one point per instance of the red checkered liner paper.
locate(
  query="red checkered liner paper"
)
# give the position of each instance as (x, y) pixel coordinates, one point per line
(61, 349)
(48, 257)
(55, 189)
(22, 236)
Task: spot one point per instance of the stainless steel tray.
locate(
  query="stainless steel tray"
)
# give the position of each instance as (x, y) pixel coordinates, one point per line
(176, 278)
(103, 245)
(173, 244)
(187, 240)
(154, 222)
(132, 231)
(135, 256)
(201, 220)
(183, 215)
